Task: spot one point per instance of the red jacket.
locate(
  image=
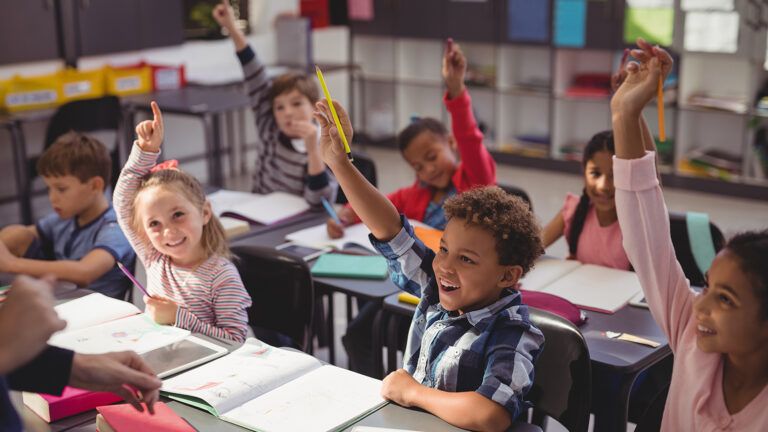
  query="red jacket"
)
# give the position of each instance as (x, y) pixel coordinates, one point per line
(476, 166)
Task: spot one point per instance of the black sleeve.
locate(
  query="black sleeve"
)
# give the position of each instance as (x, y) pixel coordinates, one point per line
(46, 373)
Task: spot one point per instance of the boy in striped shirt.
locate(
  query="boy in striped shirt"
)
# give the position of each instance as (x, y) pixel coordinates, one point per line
(288, 159)
(471, 346)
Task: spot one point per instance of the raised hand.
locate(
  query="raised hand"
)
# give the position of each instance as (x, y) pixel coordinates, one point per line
(331, 146)
(642, 78)
(150, 132)
(454, 68)
(27, 320)
(224, 15)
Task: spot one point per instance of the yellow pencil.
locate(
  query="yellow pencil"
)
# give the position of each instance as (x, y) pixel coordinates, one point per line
(660, 108)
(333, 112)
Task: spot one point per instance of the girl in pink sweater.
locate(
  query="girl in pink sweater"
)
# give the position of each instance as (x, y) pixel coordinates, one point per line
(720, 336)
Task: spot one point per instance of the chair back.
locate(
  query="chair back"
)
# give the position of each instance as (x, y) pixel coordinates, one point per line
(367, 168)
(518, 192)
(678, 228)
(85, 115)
(562, 387)
(282, 293)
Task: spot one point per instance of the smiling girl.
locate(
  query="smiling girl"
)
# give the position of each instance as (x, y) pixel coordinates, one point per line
(168, 221)
(720, 336)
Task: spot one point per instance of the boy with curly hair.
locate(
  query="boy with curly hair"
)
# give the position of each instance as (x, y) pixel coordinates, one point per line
(471, 346)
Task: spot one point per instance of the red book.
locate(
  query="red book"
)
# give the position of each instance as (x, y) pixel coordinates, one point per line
(125, 418)
(72, 401)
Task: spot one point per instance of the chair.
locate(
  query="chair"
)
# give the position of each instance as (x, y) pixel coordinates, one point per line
(651, 419)
(563, 375)
(516, 191)
(367, 168)
(282, 291)
(681, 241)
(86, 115)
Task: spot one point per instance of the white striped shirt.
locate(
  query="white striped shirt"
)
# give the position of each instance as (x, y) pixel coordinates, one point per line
(211, 298)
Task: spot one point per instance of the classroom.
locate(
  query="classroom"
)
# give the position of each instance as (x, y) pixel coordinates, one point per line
(384, 215)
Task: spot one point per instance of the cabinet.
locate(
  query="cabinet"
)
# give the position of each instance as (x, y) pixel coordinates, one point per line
(522, 76)
(105, 26)
(29, 33)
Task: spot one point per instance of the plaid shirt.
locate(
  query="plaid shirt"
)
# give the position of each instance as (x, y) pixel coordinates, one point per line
(489, 350)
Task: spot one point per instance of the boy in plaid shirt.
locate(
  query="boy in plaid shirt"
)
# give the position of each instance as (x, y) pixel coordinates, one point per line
(471, 346)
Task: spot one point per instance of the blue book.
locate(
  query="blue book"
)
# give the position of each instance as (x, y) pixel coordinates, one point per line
(528, 21)
(570, 23)
(350, 266)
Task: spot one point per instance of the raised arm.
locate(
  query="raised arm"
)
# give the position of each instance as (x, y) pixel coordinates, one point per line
(479, 166)
(146, 150)
(373, 208)
(225, 16)
(640, 204)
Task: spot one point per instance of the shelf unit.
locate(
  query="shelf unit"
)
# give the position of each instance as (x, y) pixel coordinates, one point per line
(527, 72)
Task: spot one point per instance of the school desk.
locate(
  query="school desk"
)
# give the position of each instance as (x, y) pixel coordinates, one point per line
(12, 125)
(609, 357)
(209, 104)
(373, 290)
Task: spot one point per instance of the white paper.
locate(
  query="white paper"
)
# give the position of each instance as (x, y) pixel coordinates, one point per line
(332, 395)
(317, 237)
(265, 209)
(596, 287)
(93, 309)
(545, 271)
(650, 4)
(723, 5)
(135, 333)
(250, 371)
(712, 32)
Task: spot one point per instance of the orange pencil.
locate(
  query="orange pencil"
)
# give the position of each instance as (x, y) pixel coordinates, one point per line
(660, 108)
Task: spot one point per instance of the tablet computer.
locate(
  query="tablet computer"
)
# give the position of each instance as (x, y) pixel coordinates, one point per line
(182, 355)
(306, 253)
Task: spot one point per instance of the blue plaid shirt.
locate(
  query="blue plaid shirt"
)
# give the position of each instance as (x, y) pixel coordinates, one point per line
(490, 350)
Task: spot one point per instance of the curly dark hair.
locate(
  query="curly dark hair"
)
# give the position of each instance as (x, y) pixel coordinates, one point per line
(507, 217)
(751, 250)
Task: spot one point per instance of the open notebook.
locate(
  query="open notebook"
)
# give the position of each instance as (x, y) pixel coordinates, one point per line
(99, 324)
(588, 286)
(357, 235)
(263, 209)
(263, 388)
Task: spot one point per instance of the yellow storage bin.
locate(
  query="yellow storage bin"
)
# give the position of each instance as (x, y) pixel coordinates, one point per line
(76, 85)
(37, 92)
(4, 84)
(130, 80)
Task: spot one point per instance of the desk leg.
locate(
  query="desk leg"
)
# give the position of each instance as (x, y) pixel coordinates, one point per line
(376, 342)
(229, 118)
(393, 337)
(213, 149)
(242, 142)
(611, 407)
(23, 189)
(331, 331)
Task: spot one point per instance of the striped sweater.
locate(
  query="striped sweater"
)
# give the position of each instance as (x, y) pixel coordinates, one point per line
(279, 167)
(212, 299)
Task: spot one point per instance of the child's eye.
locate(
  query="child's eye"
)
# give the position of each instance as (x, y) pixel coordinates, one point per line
(178, 214)
(443, 250)
(725, 300)
(431, 157)
(153, 224)
(417, 168)
(466, 259)
(61, 190)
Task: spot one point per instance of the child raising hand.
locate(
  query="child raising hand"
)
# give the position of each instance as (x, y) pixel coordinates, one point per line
(180, 242)
(719, 336)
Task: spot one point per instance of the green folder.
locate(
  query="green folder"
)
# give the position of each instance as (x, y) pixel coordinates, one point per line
(350, 266)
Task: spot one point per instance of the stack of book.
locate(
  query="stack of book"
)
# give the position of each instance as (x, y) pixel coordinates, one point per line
(713, 163)
(730, 104)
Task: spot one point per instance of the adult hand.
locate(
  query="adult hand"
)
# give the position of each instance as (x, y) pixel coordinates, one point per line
(27, 321)
(123, 373)
(150, 132)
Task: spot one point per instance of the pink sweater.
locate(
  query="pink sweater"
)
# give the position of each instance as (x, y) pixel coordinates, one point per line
(597, 244)
(211, 298)
(695, 401)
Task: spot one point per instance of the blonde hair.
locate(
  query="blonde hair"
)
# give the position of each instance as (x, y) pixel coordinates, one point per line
(214, 239)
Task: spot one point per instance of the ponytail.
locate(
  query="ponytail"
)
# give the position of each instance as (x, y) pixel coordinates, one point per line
(577, 223)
